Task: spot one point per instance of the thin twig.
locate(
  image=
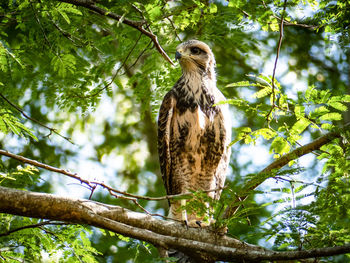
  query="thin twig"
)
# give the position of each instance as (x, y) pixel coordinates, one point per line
(52, 130)
(67, 35)
(288, 23)
(31, 226)
(276, 59)
(64, 33)
(172, 24)
(40, 25)
(140, 55)
(116, 73)
(92, 184)
(282, 179)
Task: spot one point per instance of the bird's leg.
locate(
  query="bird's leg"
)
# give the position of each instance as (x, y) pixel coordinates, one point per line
(183, 211)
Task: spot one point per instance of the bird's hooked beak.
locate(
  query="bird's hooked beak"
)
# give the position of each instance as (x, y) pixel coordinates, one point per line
(178, 55)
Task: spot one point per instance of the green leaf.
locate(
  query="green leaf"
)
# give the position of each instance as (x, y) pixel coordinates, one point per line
(327, 126)
(213, 8)
(154, 11)
(300, 125)
(64, 15)
(266, 133)
(310, 93)
(279, 146)
(239, 84)
(299, 111)
(324, 96)
(3, 126)
(242, 134)
(345, 98)
(338, 106)
(4, 51)
(320, 111)
(332, 116)
(267, 90)
(3, 59)
(64, 64)
(300, 188)
(10, 123)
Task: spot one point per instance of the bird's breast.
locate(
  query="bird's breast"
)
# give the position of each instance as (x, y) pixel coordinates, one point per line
(193, 126)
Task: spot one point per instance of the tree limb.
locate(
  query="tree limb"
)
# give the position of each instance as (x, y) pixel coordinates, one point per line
(200, 243)
(279, 163)
(134, 24)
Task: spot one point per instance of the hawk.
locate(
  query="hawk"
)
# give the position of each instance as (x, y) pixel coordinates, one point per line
(193, 134)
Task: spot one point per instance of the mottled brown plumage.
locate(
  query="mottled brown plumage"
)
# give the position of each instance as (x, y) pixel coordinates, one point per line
(193, 135)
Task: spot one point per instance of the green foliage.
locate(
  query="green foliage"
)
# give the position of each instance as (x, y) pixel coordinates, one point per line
(9, 123)
(20, 177)
(55, 243)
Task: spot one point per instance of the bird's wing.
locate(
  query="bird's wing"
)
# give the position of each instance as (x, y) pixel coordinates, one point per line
(164, 138)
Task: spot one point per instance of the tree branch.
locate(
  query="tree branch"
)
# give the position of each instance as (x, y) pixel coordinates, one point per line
(279, 163)
(93, 184)
(200, 243)
(134, 24)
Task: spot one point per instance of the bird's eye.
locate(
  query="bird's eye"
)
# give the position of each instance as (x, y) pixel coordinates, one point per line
(195, 50)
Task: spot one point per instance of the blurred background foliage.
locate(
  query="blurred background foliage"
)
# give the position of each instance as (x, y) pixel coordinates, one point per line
(97, 83)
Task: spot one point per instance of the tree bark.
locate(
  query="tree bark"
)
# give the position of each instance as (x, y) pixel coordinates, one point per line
(201, 244)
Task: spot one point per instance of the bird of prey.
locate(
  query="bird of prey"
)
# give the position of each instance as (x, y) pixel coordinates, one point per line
(193, 134)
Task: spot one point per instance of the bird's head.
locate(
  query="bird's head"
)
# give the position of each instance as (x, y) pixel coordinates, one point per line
(196, 56)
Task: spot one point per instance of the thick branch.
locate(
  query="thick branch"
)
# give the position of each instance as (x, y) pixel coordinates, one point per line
(135, 24)
(198, 242)
(279, 163)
